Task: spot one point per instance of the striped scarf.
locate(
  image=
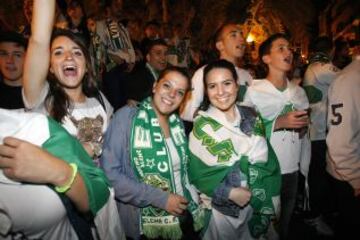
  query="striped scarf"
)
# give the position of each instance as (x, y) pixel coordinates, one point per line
(153, 165)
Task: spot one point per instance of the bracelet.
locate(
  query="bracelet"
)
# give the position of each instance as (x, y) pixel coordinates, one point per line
(66, 187)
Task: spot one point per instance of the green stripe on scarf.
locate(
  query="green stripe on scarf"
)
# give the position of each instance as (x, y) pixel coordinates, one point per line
(64, 146)
(152, 164)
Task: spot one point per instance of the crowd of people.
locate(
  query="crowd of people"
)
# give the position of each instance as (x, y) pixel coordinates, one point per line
(106, 137)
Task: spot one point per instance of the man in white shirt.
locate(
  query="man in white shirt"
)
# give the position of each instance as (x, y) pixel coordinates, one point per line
(318, 77)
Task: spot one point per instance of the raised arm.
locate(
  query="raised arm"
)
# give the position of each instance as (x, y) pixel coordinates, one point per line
(38, 54)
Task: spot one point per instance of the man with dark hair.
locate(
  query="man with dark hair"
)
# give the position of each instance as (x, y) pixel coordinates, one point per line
(12, 54)
(318, 76)
(140, 82)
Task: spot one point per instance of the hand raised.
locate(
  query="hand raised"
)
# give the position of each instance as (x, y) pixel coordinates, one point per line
(240, 195)
(176, 204)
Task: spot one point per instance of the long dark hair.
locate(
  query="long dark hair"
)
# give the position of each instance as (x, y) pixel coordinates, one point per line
(57, 102)
(224, 64)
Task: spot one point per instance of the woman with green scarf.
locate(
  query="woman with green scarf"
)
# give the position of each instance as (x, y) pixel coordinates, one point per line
(231, 163)
(145, 157)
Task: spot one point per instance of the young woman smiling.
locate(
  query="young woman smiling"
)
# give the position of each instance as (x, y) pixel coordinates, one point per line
(227, 145)
(59, 81)
(146, 158)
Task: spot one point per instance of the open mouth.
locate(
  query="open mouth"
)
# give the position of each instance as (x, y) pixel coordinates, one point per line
(288, 60)
(70, 70)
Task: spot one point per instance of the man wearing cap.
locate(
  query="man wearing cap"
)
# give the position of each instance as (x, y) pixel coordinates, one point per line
(12, 55)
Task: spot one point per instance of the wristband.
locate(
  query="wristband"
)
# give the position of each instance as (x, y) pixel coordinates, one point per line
(66, 187)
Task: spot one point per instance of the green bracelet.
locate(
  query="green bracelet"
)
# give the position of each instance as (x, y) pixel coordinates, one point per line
(67, 186)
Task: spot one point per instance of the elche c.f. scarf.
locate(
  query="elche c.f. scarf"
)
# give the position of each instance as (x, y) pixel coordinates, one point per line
(153, 165)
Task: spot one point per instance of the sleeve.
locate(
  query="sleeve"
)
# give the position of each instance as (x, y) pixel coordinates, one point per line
(220, 199)
(116, 164)
(62, 145)
(40, 100)
(344, 131)
(244, 81)
(267, 124)
(195, 97)
(314, 95)
(320, 73)
(244, 78)
(247, 101)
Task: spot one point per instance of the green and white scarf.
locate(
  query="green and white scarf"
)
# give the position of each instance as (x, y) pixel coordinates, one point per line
(153, 165)
(216, 146)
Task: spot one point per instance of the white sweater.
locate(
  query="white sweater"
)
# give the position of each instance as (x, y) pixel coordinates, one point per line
(343, 139)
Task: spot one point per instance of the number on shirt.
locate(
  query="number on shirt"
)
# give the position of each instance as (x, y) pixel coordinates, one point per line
(337, 117)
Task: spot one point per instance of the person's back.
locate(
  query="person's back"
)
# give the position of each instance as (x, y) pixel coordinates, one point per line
(12, 56)
(318, 77)
(343, 141)
(344, 119)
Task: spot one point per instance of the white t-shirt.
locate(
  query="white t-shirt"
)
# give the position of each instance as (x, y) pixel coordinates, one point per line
(176, 165)
(270, 103)
(317, 79)
(87, 121)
